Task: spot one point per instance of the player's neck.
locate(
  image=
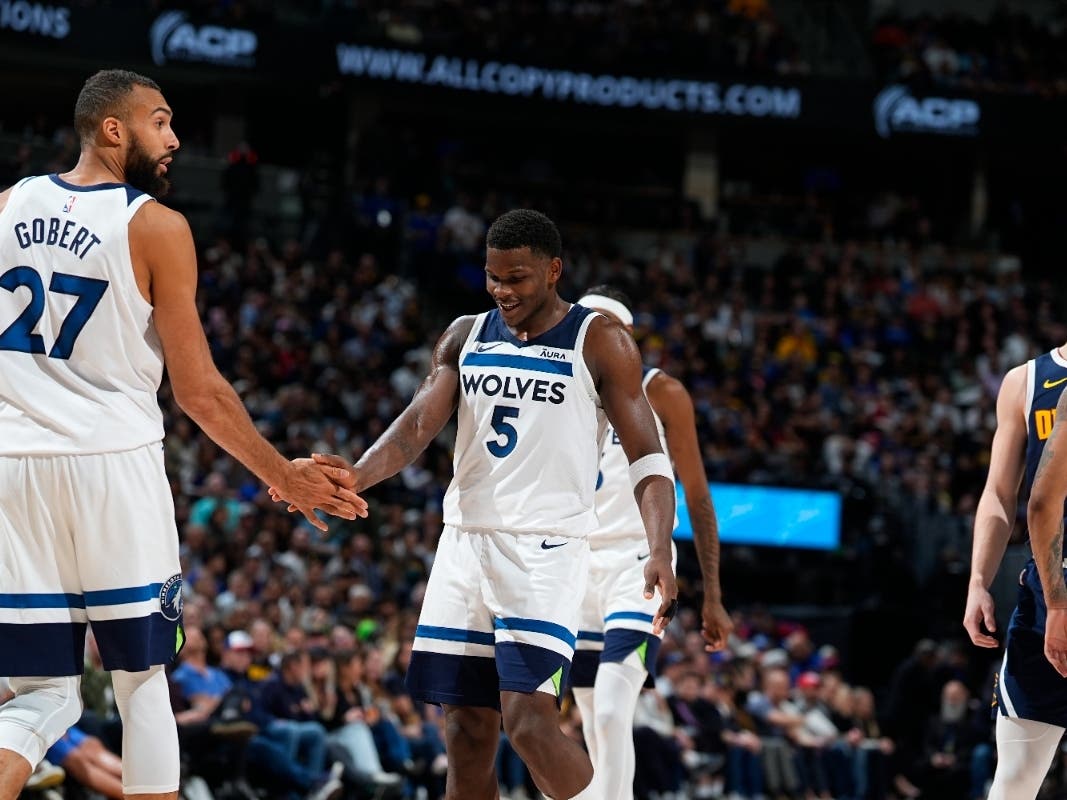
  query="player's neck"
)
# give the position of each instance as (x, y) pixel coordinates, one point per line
(546, 318)
(94, 167)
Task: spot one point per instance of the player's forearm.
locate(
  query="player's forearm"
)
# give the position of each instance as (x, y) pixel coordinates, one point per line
(1045, 520)
(655, 499)
(992, 529)
(400, 445)
(222, 416)
(705, 538)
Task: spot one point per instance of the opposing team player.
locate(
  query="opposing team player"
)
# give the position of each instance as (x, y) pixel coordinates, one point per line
(499, 621)
(616, 645)
(98, 285)
(1030, 695)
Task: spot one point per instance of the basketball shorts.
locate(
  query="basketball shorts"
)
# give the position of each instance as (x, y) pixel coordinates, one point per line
(616, 619)
(1027, 686)
(500, 614)
(87, 539)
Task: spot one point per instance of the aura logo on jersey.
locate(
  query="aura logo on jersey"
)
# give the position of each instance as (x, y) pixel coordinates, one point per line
(23, 17)
(897, 110)
(170, 598)
(174, 38)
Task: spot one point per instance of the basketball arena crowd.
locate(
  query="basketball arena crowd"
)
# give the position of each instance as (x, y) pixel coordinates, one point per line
(864, 359)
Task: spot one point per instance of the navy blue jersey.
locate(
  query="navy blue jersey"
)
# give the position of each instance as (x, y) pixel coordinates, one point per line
(1046, 377)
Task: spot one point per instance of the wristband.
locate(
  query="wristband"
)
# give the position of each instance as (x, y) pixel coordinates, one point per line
(647, 466)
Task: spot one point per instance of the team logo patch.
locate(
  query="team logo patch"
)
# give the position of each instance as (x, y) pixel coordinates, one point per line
(170, 598)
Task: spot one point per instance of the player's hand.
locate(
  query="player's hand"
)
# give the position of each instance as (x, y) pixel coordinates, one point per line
(716, 625)
(1056, 639)
(310, 485)
(980, 610)
(336, 469)
(659, 575)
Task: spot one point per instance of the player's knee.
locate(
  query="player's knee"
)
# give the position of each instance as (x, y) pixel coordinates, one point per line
(610, 717)
(527, 727)
(39, 714)
(58, 701)
(470, 734)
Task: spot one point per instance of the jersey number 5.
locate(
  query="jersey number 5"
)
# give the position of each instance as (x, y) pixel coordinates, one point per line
(19, 336)
(505, 429)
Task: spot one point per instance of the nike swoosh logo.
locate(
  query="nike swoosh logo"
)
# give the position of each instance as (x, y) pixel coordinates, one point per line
(1049, 384)
(546, 546)
(642, 558)
(485, 347)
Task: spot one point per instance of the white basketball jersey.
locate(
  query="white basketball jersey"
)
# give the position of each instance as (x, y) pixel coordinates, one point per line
(616, 507)
(529, 431)
(80, 361)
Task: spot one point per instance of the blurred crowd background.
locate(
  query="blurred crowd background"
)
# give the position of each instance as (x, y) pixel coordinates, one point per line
(842, 316)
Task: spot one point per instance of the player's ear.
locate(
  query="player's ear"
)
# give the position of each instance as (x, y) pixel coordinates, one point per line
(555, 269)
(112, 130)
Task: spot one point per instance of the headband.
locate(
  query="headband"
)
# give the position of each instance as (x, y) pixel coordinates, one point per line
(601, 303)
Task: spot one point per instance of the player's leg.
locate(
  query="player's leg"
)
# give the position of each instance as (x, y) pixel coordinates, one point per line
(453, 664)
(1025, 750)
(31, 722)
(589, 646)
(471, 739)
(535, 595)
(618, 685)
(560, 767)
(42, 624)
(129, 568)
(626, 661)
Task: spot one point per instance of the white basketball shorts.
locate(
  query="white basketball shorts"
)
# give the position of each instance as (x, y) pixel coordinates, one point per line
(500, 614)
(87, 539)
(616, 619)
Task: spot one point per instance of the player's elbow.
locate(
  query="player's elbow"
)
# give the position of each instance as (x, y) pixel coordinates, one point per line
(199, 399)
(1041, 503)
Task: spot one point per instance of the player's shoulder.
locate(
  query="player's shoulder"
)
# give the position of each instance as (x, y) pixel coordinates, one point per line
(462, 326)
(155, 219)
(665, 384)
(5, 196)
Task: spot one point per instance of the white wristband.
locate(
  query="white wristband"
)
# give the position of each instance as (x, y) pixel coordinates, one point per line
(647, 466)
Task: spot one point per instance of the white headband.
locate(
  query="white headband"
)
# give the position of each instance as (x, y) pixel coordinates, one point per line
(601, 303)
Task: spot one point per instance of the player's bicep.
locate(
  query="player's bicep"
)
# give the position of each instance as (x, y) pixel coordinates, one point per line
(438, 395)
(617, 362)
(1007, 459)
(674, 407)
(171, 258)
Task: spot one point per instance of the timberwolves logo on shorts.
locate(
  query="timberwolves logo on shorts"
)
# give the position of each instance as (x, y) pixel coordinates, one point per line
(170, 598)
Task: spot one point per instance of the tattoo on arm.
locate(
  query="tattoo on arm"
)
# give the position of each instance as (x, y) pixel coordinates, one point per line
(706, 534)
(1055, 592)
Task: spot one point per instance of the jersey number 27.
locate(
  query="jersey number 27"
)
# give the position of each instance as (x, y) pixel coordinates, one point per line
(19, 336)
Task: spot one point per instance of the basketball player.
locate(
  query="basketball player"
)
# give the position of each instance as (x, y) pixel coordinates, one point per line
(616, 646)
(98, 285)
(1030, 696)
(497, 630)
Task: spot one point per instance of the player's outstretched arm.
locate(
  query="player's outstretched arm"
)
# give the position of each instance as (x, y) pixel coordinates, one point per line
(161, 239)
(673, 405)
(1044, 516)
(421, 421)
(615, 364)
(995, 515)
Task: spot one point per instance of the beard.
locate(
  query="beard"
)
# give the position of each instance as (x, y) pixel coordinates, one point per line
(142, 170)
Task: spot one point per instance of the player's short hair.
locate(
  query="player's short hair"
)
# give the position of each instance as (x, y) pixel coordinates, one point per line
(524, 227)
(619, 296)
(104, 95)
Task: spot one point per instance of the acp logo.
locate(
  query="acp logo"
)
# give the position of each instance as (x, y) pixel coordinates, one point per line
(174, 38)
(897, 110)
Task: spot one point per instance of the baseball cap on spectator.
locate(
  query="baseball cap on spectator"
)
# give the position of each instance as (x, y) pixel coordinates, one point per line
(809, 680)
(239, 640)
